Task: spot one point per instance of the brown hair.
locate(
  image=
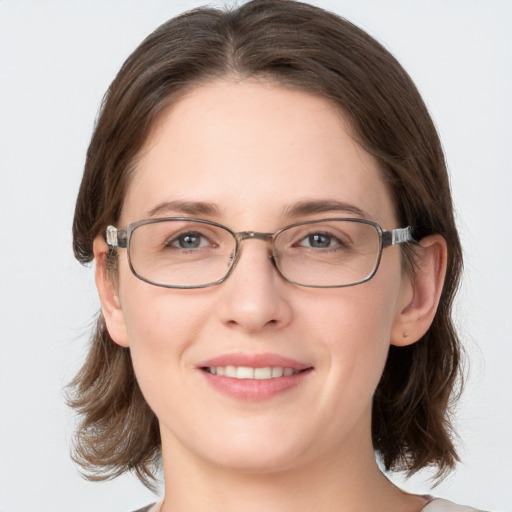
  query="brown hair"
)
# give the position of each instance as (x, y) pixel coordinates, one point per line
(298, 45)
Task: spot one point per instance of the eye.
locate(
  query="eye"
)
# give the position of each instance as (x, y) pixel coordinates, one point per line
(189, 240)
(319, 241)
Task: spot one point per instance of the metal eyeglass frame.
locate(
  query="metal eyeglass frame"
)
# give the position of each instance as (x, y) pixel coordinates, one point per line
(119, 238)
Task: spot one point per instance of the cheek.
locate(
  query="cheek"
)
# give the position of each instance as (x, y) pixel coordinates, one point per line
(353, 327)
(160, 327)
(359, 316)
(158, 322)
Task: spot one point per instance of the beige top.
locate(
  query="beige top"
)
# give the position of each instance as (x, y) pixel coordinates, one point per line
(439, 505)
(436, 505)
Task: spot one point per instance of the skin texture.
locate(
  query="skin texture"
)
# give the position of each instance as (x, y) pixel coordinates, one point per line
(254, 149)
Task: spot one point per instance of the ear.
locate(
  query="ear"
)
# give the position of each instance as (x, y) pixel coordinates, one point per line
(109, 296)
(421, 292)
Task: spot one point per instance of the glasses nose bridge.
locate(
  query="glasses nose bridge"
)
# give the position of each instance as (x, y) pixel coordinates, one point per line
(253, 235)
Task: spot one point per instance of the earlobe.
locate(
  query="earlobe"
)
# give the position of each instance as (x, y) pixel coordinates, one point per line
(109, 297)
(422, 292)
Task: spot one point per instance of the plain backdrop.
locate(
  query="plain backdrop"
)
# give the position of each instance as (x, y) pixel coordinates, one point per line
(57, 58)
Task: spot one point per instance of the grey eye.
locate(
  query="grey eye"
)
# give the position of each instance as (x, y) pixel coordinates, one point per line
(318, 241)
(190, 240)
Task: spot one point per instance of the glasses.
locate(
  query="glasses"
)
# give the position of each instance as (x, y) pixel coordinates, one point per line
(180, 252)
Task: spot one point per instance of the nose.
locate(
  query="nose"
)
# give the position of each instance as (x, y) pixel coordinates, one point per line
(255, 296)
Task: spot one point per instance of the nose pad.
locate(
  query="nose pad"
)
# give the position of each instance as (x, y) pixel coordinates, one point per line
(252, 296)
(250, 235)
(237, 255)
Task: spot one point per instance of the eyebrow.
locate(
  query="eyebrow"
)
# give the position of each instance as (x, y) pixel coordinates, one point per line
(185, 208)
(311, 207)
(299, 209)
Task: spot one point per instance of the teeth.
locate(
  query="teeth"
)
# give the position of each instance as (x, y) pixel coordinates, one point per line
(243, 372)
(263, 373)
(230, 371)
(246, 372)
(277, 372)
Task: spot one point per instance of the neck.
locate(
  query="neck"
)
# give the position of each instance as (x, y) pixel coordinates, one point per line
(348, 483)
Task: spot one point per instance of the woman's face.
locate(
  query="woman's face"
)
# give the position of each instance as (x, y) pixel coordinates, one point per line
(245, 154)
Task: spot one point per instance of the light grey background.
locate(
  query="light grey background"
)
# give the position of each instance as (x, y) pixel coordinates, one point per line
(57, 59)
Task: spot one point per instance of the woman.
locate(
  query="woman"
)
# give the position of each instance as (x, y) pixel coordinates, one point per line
(266, 201)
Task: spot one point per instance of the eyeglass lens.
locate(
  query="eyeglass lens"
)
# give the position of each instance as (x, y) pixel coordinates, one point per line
(188, 253)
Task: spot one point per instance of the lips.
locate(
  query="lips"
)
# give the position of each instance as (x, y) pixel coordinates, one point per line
(254, 377)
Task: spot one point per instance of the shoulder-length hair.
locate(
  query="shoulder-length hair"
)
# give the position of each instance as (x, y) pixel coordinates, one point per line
(304, 47)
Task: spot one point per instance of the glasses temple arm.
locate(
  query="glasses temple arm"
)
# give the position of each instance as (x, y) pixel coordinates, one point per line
(115, 237)
(397, 236)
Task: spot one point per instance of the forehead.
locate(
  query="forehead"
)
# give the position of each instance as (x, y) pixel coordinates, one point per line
(253, 147)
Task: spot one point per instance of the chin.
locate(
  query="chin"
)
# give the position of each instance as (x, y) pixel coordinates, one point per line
(258, 461)
(256, 451)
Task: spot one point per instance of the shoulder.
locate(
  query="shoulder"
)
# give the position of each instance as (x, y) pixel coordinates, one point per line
(440, 505)
(146, 509)
(154, 507)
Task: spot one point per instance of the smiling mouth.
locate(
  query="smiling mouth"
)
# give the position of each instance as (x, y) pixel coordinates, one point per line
(247, 372)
